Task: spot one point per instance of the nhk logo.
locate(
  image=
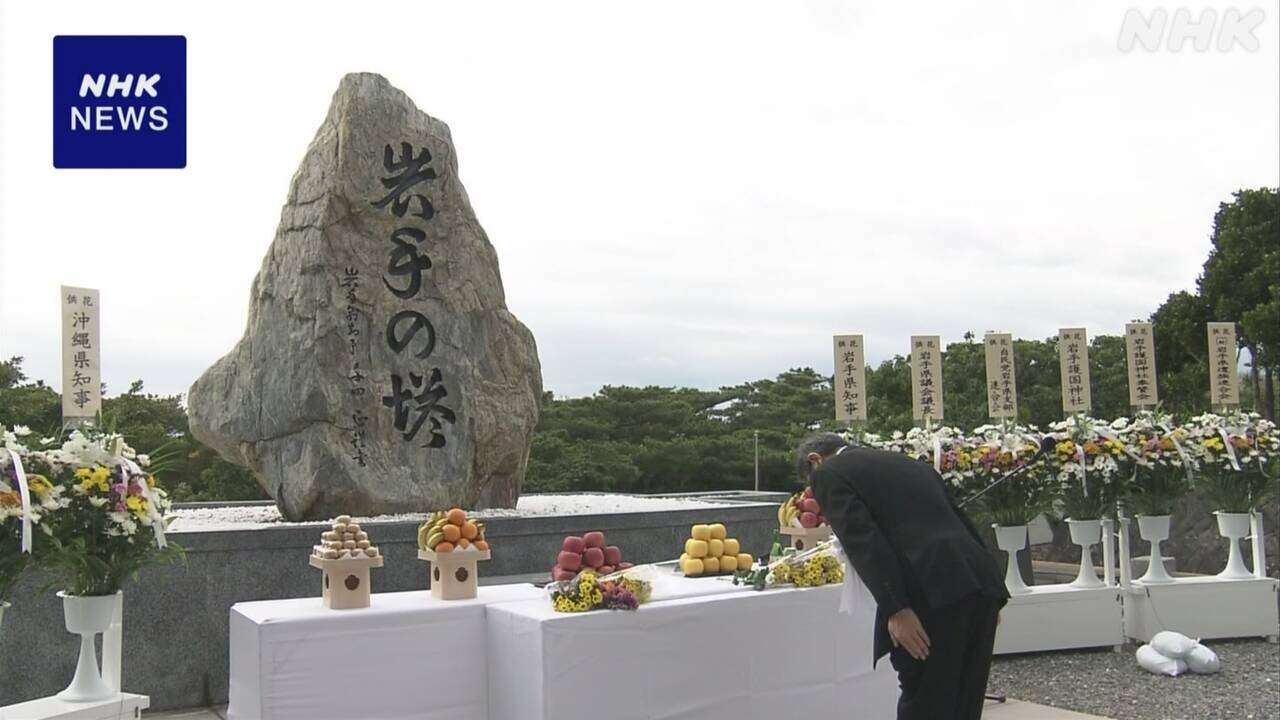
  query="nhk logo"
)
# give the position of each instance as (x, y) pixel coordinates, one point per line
(119, 101)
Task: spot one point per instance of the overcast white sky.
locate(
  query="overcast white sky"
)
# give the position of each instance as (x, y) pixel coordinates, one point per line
(682, 193)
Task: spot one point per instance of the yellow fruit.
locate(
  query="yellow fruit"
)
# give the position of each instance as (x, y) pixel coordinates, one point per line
(715, 548)
(718, 532)
(435, 539)
(700, 532)
(711, 565)
(728, 563)
(731, 546)
(695, 548)
(684, 556)
(691, 567)
(744, 561)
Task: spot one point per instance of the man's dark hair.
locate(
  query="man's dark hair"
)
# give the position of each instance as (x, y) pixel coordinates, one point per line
(823, 443)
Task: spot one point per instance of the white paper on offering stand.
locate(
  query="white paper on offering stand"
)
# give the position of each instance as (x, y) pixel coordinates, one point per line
(854, 594)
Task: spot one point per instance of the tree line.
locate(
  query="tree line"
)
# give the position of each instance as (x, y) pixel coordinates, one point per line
(667, 439)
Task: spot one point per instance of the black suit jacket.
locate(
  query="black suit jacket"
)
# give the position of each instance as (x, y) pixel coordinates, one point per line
(904, 535)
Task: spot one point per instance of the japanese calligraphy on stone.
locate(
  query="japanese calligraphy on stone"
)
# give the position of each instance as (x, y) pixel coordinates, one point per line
(81, 372)
(1224, 381)
(1140, 350)
(926, 377)
(417, 389)
(1073, 360)
(1002, 388)
(850, 379)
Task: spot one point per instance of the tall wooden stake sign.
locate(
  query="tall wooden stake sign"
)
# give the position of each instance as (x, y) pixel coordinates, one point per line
(1140, 349)
(850, 380)
(81, 369)
(926, 378)
(1073, 359)
(1224, 381)
(1002, 387)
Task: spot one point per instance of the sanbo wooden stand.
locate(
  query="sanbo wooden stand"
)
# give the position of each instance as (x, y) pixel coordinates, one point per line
(453, 574)
(805, 538)
(346, 581)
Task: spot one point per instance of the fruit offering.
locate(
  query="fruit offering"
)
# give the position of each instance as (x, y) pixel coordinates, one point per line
(709, 551)
(451, 531)
(587, 552)
(344, 541)
(801, 510)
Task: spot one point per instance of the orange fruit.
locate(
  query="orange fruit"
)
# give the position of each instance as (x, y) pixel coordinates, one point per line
(481, 545)
(444, 547)
(456, 516)
(452, 533)
(469, 530)
(464, 543)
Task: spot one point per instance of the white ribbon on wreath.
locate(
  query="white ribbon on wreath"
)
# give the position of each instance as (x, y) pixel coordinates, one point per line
(25, 493)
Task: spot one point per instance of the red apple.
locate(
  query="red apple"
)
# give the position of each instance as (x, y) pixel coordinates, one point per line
(808, 519)
(594, 539)
(624, 565)
(612, 555)
(559, 574)
(809, 505)
(569, 560)
(606, 569)
(593, 556)
(574, 544)
(808, 492)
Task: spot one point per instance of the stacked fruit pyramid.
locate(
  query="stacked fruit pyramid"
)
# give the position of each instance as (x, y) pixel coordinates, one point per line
(451, 531)
(344, 541)
(801, 510)
(587, 552)
(709, 552)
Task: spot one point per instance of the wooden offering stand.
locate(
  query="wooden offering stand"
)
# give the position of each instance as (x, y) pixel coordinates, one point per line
(453, 574)
(804, 538)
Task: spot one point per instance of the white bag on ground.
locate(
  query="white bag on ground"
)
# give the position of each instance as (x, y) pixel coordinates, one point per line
(1153, 662)
(1202, 660)
(1173, 645)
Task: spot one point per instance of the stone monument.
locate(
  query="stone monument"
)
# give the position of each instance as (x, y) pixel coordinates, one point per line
(380, 371)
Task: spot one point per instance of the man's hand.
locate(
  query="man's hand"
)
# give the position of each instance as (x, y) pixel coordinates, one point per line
(907, 632)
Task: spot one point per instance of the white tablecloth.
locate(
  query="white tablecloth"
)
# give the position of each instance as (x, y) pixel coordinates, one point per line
(406, 656)
(773, 654)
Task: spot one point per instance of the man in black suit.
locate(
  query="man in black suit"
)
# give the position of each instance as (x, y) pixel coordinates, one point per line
(938, 589)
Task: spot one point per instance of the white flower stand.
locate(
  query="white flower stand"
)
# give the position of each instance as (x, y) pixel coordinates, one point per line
(1205, 606)
(1064, 616)
(1011, 539)
(1234, 527)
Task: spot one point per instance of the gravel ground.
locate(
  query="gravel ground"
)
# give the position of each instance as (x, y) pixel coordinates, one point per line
(1102, 682)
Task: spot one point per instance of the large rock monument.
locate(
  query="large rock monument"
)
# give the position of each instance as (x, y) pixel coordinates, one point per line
(380, 370)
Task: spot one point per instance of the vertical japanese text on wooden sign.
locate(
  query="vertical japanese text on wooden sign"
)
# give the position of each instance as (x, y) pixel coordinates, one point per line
(926, 377)
(850, 379)
(1224, 380)
(417, 392)
(1073, 359)
(1140, 349)
(1002, 386)
(81, 358)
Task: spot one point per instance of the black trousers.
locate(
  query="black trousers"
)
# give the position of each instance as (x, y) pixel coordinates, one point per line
(951, 683)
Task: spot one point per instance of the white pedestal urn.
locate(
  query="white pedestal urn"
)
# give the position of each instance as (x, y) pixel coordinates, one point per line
(1234, 527)
(1155, 530)
(1086, 534)
(86, 616)
(1011, 539)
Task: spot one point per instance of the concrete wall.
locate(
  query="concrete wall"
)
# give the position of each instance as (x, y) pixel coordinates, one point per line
(175, 640)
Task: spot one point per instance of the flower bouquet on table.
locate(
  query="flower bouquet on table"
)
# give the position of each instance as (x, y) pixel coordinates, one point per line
(20, 517)
(819, 565)
(622, 590)
(1239, 455)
